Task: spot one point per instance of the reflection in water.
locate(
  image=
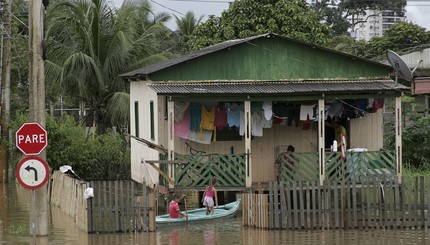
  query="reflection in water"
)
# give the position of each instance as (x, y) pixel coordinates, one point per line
(14, 229)
(209, 237)
(174, 238)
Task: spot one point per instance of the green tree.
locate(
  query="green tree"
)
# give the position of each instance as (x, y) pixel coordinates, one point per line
(185, 29)
(401, 37)
(416, 156)
(341, 15)
(246, 18)
(104, 157)
(90, 43)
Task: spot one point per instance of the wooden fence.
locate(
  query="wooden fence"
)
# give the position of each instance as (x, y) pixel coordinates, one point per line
(371, 203)
(117, 206)
(121, 206)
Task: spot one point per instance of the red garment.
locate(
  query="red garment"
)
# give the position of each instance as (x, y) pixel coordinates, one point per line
(173, 209)
(378, 104)
(220, 119)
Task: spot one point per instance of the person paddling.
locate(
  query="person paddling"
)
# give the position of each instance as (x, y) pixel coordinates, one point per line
(174, 211)
(209, 195)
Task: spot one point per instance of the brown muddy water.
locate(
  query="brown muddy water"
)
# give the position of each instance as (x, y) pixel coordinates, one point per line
(14, 225)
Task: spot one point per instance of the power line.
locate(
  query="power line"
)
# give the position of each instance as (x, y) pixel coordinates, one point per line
(173, 10)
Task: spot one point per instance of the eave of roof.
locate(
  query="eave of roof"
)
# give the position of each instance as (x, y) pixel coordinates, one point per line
(276, 87)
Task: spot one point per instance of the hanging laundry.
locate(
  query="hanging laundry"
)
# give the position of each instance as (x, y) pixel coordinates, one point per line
(306, 111)
(220, 119)
(256, 124)
(203, 137)
(280, 120)
(267, 109)
(233, 118)
(266, 123)
(195, 116)
(280, 113)
(179, 109)
(208, 120)
(378, 104)
(335, 109)
(361, 107)
(182, 128)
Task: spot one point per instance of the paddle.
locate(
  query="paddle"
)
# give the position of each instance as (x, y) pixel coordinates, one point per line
(186, 211)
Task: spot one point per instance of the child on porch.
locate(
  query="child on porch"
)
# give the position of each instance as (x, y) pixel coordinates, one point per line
(209, 195)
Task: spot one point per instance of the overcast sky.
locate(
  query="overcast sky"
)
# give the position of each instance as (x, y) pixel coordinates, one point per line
(417, 11)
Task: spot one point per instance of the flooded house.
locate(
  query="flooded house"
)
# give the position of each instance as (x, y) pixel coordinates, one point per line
(232, 110)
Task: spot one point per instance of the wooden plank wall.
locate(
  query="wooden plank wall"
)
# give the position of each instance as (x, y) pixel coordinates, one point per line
(368, 204)
(117, 206)
(121, 206)
(67, 193)
(257, 208)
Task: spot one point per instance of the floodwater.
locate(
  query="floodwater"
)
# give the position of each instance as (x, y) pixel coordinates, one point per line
(14, 225)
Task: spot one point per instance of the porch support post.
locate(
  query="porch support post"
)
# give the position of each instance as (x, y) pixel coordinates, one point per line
(247, 134)
(321, 140)
(398, 132)
(171, 139)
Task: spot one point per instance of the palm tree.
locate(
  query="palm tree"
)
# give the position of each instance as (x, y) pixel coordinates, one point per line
(185, 28)
(90, 43)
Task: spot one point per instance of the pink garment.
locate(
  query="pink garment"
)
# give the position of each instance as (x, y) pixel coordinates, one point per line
(208, 200)
(209, 192)
(182, 128)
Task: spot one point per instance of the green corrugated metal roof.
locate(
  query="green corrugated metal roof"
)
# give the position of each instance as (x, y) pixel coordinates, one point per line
(160, 66)
(154, 71)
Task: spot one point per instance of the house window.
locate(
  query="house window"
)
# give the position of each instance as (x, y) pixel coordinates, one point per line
(151, 114)
(136, 118)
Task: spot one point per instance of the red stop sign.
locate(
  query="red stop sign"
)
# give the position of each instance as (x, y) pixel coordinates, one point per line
(31, 138)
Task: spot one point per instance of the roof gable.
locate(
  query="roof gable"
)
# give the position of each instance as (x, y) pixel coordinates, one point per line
(263, 57)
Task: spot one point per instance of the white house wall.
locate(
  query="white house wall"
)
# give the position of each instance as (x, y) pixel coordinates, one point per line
(140, 171)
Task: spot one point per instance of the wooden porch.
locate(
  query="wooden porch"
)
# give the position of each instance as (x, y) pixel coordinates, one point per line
(194, 171)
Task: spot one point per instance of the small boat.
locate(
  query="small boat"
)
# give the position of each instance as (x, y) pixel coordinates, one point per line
(199, 215)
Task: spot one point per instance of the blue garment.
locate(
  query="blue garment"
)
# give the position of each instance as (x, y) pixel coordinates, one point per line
(195, 116)
(233, 118)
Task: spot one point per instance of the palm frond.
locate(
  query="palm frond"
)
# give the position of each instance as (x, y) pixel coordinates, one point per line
(118, 109)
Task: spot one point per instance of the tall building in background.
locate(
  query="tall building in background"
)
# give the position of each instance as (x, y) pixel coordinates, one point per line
(375, 23)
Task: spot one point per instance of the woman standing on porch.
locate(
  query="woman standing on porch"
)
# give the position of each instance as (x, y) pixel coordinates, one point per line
(209, 195)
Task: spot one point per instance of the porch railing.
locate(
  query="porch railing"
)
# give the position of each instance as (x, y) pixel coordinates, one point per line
(354, 166)
(199, 168)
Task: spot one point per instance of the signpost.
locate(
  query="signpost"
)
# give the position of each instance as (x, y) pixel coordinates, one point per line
(32, 172)
(31, 139)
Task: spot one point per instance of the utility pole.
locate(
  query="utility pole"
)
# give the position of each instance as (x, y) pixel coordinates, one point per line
(5, 87)
(37, 103)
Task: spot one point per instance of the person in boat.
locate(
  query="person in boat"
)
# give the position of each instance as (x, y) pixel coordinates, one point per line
(209, 196)
(174, 210)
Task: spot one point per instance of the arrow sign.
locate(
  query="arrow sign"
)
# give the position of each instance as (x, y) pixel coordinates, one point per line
(28, 168)
(32, 172)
